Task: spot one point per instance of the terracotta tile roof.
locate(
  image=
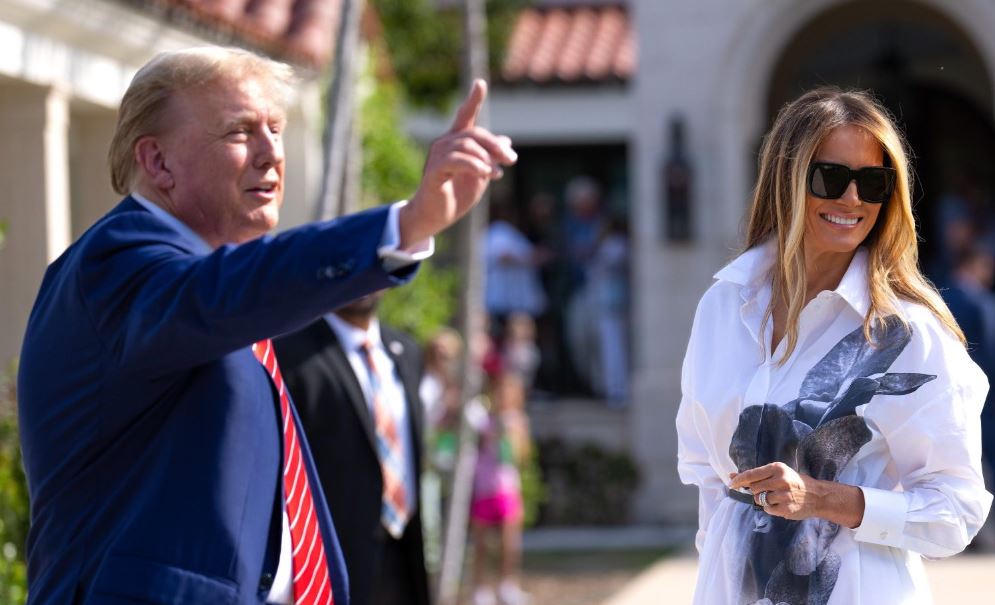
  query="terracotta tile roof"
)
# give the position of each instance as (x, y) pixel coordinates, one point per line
(570, 44)
(300, 31)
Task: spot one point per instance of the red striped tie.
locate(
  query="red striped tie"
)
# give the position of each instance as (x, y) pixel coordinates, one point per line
(312, 584)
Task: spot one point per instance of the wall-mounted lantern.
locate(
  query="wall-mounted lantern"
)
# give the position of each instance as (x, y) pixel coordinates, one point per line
(677, 176)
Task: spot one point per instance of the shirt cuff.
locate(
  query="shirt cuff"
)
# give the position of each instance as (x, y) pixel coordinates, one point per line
(884, 517)
(389, 250)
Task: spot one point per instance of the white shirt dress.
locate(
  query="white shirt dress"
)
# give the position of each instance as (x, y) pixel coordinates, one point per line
(899, 419)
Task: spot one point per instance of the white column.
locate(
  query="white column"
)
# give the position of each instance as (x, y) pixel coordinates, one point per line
(92, 196)
(34, 171)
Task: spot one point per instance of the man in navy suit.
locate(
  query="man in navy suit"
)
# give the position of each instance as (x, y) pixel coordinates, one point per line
(164, 462)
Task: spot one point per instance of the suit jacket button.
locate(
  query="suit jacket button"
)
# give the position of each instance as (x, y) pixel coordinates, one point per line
(266, 582)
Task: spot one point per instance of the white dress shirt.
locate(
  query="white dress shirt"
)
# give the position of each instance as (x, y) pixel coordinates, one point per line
(918, 465)
(392, 393)
(393, 258)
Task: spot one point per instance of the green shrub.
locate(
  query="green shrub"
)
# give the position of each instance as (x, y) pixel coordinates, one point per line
(587, 484)
(423, 306)
(392, 162)
(392, 168)
(533, 489)
(425, 45)
(13, 499)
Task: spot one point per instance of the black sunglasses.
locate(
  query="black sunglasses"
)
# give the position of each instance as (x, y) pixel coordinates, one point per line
(875, 184)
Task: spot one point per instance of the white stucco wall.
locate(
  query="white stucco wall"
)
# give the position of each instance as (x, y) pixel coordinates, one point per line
(33, 168)
(536, 115)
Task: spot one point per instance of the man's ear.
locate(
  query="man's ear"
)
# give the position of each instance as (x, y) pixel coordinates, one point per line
(151, 160)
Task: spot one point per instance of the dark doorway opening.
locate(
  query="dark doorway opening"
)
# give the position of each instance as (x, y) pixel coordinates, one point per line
(537, 189)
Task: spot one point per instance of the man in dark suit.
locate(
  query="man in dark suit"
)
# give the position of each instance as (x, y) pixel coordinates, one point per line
(165, 462)
(355, 383)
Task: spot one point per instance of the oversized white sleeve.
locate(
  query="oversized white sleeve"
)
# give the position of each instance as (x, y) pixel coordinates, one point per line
(693, 437)
(934, 438)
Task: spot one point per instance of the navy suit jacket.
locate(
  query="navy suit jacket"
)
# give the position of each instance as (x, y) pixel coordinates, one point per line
(150, 432)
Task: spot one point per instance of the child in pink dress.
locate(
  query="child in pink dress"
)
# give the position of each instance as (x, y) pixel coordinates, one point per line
(496, 508)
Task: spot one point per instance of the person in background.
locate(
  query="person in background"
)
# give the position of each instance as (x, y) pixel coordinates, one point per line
(440, 394)
(512, 262)
(582, 228)
(520, 356)
(543, 230)
(583, 225)
(610, 284)
(969, 295)
(540, 225)
(496, 509)
(439, 388)
(355, 381)
(963, 219)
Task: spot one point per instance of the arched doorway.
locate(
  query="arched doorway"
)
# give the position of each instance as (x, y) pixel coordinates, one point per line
(933, 79)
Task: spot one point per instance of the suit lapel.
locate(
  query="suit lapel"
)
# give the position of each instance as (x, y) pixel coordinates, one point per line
(335, 355)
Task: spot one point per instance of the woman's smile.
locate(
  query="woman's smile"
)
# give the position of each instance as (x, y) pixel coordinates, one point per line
(841, 220)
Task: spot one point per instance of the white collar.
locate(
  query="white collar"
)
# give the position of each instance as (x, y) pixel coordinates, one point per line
(350, 337)
(751, 266)
(752, 269)
(854, 288)
(164, 215)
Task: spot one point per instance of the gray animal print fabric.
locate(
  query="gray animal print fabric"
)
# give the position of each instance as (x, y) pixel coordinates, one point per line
(792, 562)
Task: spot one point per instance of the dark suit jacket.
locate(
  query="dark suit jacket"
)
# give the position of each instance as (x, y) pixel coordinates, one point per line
(150, 432)
(340, 429)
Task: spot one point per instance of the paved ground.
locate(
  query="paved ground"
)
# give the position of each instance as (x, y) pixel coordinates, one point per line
(649, 565)
(966, 579)
(588, 578)
(587, 565)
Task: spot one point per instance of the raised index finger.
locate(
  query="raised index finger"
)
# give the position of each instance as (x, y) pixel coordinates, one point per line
(466, 115)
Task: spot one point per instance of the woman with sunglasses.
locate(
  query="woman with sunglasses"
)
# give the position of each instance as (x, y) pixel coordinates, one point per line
(830, 412)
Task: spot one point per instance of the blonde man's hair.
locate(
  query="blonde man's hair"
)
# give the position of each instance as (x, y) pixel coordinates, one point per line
(779, 200)
(172, 72)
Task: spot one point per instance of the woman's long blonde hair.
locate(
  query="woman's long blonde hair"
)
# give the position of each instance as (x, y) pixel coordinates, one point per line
(779, 200)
